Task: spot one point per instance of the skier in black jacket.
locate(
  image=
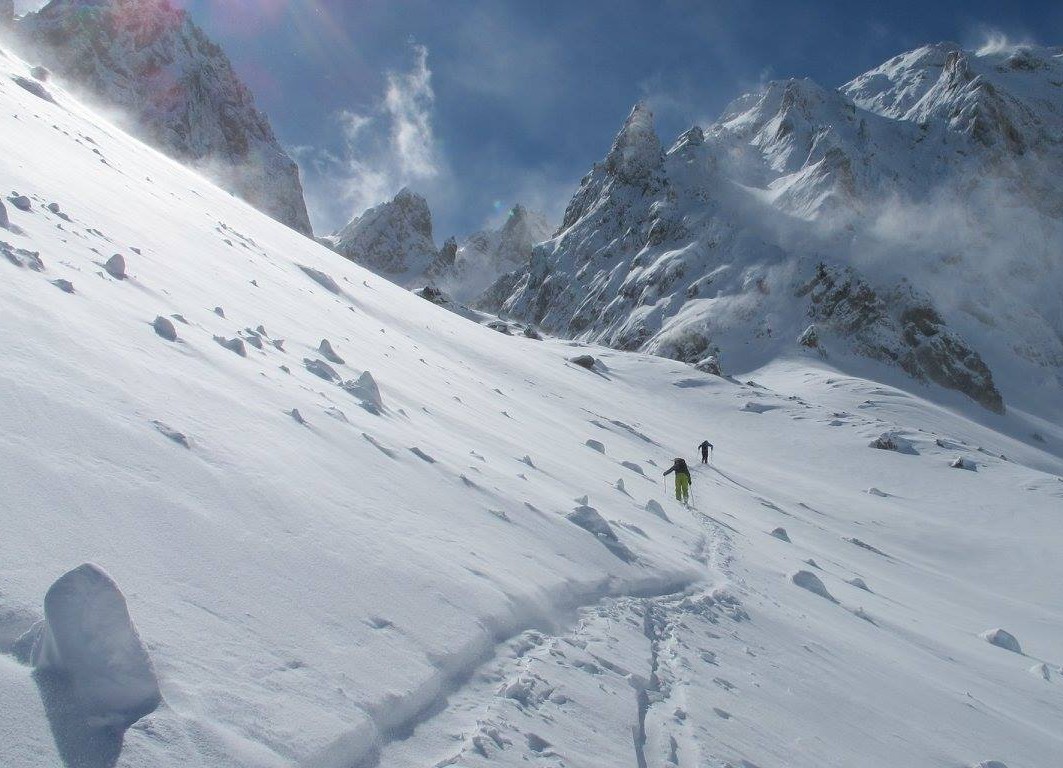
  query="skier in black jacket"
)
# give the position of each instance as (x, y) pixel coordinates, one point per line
(682, 480)
(705, 447)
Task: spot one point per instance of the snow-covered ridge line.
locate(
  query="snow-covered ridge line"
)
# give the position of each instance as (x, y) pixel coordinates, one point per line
(916, 180)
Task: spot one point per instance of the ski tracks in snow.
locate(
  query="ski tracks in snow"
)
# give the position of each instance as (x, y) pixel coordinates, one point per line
(607, 689)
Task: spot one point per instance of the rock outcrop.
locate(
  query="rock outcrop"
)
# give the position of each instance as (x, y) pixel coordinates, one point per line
(177, 88)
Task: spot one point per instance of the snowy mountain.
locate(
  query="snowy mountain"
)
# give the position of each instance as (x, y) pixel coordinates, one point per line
(262, 508)
(394, 239)
(912, 217)
(177, 89)
(488, 254)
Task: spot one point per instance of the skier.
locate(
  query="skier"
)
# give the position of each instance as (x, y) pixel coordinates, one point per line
(705, 447)
(682, 480)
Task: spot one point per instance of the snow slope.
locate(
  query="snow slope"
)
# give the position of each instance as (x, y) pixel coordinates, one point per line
(412, 581)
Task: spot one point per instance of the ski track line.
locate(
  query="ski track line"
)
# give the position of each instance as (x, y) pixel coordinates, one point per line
(469, 693)
(362, 748)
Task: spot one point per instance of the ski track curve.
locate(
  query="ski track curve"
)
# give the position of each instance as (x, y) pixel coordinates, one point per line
(494, 710)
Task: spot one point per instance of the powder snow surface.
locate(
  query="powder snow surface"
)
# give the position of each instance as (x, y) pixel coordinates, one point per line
(326, 579)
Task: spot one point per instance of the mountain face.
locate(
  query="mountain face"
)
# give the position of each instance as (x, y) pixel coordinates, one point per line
(490, 253)
(179, 88)
(394, 239)
(912, 216)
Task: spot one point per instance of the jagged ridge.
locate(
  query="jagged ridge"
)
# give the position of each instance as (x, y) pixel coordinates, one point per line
(179, 88)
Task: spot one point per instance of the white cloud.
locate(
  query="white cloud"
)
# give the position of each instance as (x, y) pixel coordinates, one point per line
(387, 146)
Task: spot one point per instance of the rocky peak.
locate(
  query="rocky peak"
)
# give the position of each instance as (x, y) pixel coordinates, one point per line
(177, 89)
(393, 238)
(636, 151)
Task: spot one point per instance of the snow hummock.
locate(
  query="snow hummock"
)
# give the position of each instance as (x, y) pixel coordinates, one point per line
(811, 582)
(1002, 639)
(89, 639)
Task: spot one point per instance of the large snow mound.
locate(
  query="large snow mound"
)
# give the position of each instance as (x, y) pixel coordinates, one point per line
(89, 639)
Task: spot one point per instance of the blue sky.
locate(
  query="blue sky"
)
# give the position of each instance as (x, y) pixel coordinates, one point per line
(482, 103)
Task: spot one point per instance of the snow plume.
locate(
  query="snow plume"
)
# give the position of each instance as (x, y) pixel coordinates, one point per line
(995, 41)
(988, 260)
(387, 147)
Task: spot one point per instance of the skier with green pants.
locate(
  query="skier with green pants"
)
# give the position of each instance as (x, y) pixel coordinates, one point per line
(682, 480)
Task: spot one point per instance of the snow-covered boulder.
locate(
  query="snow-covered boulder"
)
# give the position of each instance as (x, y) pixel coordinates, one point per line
(1042, 671)
(327, 351)
(892, 441)
(1002, 639)
(596, 445)
(115, 267)
(365, 389)
(589, 519)
(811, 582)
(164, 327)
(584, 361)
(781, 534)
(710, 364)
(654, 508)
(859, 583)
(88, 637)
(21, 202)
